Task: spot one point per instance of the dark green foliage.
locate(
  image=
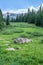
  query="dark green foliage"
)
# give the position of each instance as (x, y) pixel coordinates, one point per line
(31, 17)
(35, 34)
(41, 41)
(12, 20)
(7, 19)
(20, 18)
(1, 19)
(39, 17)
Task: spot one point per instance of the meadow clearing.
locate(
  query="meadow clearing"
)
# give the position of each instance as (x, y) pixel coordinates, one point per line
(24, 54)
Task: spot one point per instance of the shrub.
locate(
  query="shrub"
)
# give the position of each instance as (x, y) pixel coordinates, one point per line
(12, 31)
(35, 33)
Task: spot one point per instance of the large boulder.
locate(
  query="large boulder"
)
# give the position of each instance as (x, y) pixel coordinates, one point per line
(22, 40)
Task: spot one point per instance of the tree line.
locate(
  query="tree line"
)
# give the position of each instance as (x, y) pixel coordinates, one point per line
(31, 17)
(34, 17)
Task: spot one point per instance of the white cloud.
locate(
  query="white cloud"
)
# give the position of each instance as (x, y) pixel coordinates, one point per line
(39, 6)
(36, 8)
(16, 11)
(42, 4)
(33, 8)
(19, 11)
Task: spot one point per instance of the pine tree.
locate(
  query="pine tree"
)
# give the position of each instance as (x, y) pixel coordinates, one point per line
(7, 19)
(39, 17)
(1, 20)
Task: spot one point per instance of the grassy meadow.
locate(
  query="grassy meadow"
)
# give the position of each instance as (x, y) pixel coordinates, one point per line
(24, 54)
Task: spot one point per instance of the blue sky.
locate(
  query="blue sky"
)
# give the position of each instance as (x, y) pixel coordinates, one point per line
(19, 4)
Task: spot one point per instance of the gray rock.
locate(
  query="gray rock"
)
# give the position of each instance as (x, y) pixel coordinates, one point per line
(22, 40)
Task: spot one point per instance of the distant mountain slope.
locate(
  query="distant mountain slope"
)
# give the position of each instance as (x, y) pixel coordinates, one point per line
(12, 15)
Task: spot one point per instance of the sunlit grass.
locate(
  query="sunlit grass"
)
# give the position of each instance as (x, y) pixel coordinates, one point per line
(28, 53)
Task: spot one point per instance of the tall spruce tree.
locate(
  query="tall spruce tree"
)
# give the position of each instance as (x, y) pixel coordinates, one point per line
(7, 19)
(1, 20)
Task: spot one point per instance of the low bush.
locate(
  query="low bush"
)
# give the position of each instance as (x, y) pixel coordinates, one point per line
(35, 33)
(12, 31)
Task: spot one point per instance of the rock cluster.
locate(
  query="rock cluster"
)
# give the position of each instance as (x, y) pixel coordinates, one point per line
(22, 40)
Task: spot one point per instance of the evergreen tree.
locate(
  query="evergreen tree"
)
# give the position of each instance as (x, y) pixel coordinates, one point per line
(1, 20)
(7, 19)
(32, 17)
(39, 17)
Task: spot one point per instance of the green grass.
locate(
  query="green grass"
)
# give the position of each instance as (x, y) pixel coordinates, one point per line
(29, 53)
